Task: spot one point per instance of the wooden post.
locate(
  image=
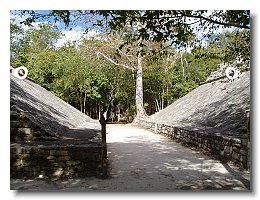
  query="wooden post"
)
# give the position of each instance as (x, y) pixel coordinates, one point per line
(102, 121)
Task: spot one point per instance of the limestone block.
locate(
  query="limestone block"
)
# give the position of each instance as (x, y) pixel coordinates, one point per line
(244, 152)
(50, 157)
(227, 149)
(63, 158)
(236, 149)
(16, 124)
(58, 172)
(26, 131)
(235, 155)
(58, 153)
(72, 163)
(244, 142)
(243, 159)
(226, 141)
(236, 141)
(58, 164)
(239, 145)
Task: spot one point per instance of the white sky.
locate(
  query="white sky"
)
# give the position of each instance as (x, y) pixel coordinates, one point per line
(76, 34)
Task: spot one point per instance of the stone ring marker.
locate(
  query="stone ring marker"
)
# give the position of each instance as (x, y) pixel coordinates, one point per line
(20, 72)
(232, 73)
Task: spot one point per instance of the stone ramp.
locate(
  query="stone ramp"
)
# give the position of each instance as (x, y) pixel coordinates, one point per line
(212, 118)
(49, 138)
(217, 107)
(49, 112)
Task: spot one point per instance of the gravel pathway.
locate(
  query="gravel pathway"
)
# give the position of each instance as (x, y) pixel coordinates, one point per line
(143, 161)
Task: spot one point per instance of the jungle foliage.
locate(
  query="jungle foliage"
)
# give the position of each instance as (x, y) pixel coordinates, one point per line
(100, 72)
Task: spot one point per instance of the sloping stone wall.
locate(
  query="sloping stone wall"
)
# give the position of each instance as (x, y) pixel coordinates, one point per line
(51, 139)
(37, 154)
(213, 117)
(23, 129)
(226, 148)
(55, 161)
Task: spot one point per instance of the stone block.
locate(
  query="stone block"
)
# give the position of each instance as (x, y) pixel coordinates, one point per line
(50, 157)
(16, 124)
(227, 149)
(244, 142)
(13, 115)
(72, 163)
(16, 150)
(63, 158)
(236, 140)
(239, 145)
(26, 131)
(58, 164)
(58, 172)
(58, 153)
(244, 152)
(243, 159)
(236, 149)
(41, 151)
(226, 141)
(75, 168)
(235, 155)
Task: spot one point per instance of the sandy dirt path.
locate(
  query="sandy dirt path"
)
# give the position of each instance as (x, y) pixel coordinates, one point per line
(143, 161)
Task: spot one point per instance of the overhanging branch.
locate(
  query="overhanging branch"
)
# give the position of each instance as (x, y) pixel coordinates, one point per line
(218, 22)
(112, 61)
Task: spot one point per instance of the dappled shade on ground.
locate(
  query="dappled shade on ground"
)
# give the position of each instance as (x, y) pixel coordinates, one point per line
(143, 161)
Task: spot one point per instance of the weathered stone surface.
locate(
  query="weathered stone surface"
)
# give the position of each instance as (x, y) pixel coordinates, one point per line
(54, 163)
(220, 108)
(47, 134)
(58, 153)
(235, 155)
(49, 112)
(227, 149)
(211, 117)
(220, 73)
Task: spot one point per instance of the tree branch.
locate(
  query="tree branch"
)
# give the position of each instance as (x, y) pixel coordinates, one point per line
(183, 14)
(112, 61)
(218, 22)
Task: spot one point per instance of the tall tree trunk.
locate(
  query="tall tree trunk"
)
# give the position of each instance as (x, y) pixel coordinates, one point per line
(162, 102)
(187, 65)
(80, 101)
(157, 105)
(118, 114)
(183, 70)
(167, 95)
(84, 102)
(97, 110)
(140, 112)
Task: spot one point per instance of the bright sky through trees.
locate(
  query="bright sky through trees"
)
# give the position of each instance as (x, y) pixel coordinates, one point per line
(139, 40)
(80, 27)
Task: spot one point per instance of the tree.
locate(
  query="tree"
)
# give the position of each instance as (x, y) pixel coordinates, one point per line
(176, 28)
(233, 45)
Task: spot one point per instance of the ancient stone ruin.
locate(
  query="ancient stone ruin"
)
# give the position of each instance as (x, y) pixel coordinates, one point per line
(213, 117)
(50, 138)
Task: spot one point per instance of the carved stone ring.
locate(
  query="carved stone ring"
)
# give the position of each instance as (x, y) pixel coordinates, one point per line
(20, 72)
(231, 73)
